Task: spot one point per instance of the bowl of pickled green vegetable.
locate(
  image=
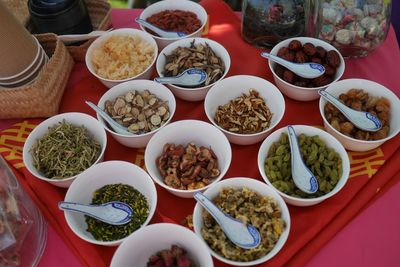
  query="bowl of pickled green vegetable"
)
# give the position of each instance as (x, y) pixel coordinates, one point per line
(322, 154)
(111, 181)
(63, 146)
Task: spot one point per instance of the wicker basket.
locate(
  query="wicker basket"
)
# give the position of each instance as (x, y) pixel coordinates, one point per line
(42, 97)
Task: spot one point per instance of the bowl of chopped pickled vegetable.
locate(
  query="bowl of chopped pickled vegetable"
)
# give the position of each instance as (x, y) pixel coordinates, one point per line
(250, 201)
(111, 181)
(63, 146)
(322, 154)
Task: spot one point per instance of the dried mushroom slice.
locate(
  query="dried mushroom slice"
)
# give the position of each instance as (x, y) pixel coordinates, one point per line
(139, 111)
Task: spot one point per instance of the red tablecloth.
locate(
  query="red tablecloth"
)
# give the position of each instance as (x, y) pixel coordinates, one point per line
(309, 231)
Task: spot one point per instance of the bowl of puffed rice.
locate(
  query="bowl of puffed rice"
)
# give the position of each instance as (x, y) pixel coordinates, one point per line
(122, 55)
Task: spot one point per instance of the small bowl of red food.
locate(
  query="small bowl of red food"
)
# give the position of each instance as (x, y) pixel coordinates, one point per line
(301, 50)
(175, 15)
(162, 244)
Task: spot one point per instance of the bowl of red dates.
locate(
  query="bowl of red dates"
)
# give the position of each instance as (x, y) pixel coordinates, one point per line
(302, 50)
(177, 16)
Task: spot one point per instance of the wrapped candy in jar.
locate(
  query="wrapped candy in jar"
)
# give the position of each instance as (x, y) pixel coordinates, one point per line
(267, 22)
(354, 27)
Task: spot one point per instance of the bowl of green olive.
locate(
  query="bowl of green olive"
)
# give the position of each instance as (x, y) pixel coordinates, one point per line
(324, 156)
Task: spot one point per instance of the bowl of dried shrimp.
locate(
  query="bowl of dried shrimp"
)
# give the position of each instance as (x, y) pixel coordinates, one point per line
(200, 53)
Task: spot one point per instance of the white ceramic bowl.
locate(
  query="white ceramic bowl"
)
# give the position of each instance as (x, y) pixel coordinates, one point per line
(297, 92)
(155, 88)
(192, 94)
(75, 118)
(329, 140)
(260, 188)
(183, 132)
(373, 89)
(230, 88)
(184, 5)
(124, 31)
(108, 172)
(149, 240)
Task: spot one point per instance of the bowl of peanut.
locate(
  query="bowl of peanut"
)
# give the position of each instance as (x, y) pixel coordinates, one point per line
(245, 108)
(142, 106)
(301, 50)
(362, 95)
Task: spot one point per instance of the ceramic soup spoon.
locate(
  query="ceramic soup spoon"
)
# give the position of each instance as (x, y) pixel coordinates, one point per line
(114, 212)
(361, 119)
(189, 77)
(160, 32)
(309, 70)
(118, 128)
(303, 178)
(242, 235)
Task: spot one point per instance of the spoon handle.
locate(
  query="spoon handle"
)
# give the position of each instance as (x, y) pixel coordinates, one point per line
(115, 125)
(277, 59)
(339, 105)
(94, 211)
(168, 80)
(217, 214)
(302, 176)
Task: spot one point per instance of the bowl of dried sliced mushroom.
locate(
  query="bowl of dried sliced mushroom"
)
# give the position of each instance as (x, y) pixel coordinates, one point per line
(142, 106)
(187, 156)
(200, 53)
(245, 108)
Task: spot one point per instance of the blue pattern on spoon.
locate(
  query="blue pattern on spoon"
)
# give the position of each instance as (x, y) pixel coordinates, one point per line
(242, 235)
(114, 212)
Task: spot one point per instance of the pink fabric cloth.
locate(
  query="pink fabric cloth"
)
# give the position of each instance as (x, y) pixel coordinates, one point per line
(369, 240)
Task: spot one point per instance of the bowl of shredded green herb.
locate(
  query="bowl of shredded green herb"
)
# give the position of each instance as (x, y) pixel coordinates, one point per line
(111, 181)
(64, 146)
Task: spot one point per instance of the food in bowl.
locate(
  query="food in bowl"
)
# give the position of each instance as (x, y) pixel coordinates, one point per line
(124, 193)
(175, 21)
(65, 151)
(263, 212)
(324, 162)
(358, 99)
(122, 56)
(140, 111)
(200, 56)
(189, 167)
(298, 53)
(246, 114)
(173, 257)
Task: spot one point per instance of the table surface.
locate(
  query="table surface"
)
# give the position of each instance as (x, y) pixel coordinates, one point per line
(370, 239)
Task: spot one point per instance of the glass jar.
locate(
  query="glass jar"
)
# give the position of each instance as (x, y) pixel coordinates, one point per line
(267, 22)
(354, 27)
(23, 231)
